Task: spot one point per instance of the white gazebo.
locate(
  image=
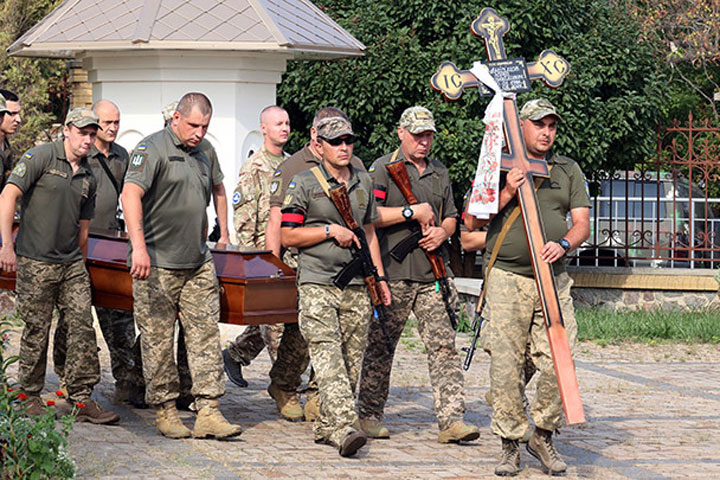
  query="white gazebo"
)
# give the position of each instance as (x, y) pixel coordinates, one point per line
(143, 54)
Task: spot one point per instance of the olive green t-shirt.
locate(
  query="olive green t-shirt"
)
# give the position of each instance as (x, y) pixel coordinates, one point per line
(207, 148)
(54, 201)
(177, 181)
(6, 157)
(302, 160)
(562, 192)
(106, 203)
(307, 205)
(433, 187)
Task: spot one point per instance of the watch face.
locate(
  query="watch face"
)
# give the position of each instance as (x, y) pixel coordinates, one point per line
(407, 212)
(565, 244)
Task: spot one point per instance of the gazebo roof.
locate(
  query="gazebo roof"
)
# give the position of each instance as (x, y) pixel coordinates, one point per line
(293, 26)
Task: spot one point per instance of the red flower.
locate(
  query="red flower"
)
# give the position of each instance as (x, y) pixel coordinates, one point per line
(10, 390)
(59, 393)
(80, 405)
(51, 403)
(22, 397)
(29, 436)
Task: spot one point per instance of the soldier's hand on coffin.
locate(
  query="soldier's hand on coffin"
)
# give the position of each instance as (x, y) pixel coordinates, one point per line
(140, 269)
(552, 252)
(514, 179)
(343, 236)
(8, 260)
(433, 237)
(423, 213)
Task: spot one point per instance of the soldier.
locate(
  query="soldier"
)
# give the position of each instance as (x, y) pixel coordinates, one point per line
(9, 122)
(413, 283)
(251, 202)
(109, 162)
(333, 321)
(58, 190)
(292, 357)
(167, 188)
(514, 314)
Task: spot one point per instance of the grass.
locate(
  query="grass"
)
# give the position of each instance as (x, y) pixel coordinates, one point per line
(604, 326)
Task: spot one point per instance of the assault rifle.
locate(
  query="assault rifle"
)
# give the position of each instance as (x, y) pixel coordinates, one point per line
(362, 263)
(399, 174)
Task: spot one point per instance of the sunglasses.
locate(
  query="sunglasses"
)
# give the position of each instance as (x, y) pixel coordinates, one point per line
(336, 142)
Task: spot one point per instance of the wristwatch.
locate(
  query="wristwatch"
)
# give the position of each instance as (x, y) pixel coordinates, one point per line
(565, 245)
(407, 212)
(327, 230)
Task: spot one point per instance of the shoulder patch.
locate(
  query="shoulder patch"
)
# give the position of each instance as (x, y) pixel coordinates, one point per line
(20, 168)
(371, 169)
(28, 155)
(137, 161)
(291, 185)
(274, 186)
(236, 198)
(587, 187)
(141, 148)
(277, 173)
(288, 199)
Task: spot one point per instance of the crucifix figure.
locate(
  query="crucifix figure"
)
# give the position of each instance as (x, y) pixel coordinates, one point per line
(514, 75)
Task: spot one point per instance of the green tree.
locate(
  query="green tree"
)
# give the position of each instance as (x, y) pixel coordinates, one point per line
(41, 84)
(611, 101)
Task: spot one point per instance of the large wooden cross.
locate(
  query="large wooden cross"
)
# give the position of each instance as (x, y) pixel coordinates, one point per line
(514, 75)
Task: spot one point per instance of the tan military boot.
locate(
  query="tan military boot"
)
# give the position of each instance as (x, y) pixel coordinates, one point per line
(373, 428)
(287, 403)
(509, 465)
(459, 432)
(211, 423)
(169, 423)
(312, 407)
(541, 447)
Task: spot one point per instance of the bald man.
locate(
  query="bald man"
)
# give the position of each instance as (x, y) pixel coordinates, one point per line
(251, 205)
(109, 162)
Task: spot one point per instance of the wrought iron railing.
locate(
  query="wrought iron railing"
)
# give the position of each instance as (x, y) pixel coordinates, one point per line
(665, 212)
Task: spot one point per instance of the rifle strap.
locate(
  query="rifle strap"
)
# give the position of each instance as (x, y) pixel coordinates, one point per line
(501, 237)
(112, 178)
(321, 180)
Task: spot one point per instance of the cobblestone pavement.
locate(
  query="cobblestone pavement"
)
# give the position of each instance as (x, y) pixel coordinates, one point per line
(653, 412)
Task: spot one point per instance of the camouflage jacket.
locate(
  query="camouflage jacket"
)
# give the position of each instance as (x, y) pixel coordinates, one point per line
(251, 199)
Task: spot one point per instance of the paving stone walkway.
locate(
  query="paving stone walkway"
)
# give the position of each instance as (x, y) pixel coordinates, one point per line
(653, 413)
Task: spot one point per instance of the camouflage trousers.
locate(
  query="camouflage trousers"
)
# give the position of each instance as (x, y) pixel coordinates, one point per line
(190, 296)
(438, 337)
(41, 287)
(253, 339)
(118, 329)
(335, 323)
(516, 319)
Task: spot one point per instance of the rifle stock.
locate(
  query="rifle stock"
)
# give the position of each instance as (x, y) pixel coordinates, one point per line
(399, 174)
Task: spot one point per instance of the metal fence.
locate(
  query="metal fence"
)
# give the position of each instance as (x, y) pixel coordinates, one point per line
(664, 212)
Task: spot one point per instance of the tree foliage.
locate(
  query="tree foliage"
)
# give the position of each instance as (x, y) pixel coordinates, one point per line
(41, 84)
(611, 102)
(685, 35)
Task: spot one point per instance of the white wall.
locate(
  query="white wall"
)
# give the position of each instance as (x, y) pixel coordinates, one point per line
(239, 86)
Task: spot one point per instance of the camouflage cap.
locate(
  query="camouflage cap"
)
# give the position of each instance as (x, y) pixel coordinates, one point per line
(417, 120)
(168, 110)
(3, 105)
(82, 117)
(333, 127)
(538, 109)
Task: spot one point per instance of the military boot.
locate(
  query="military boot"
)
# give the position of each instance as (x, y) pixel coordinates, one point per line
(312, 407)
(34, 406)
(541, 447)
(211, 423)
(459, 432)
(373, 428)
(91, 411)
(509, 465)
(169, 423)
(287, 403)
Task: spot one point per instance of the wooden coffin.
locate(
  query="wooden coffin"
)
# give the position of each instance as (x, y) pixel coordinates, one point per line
(255, 287)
